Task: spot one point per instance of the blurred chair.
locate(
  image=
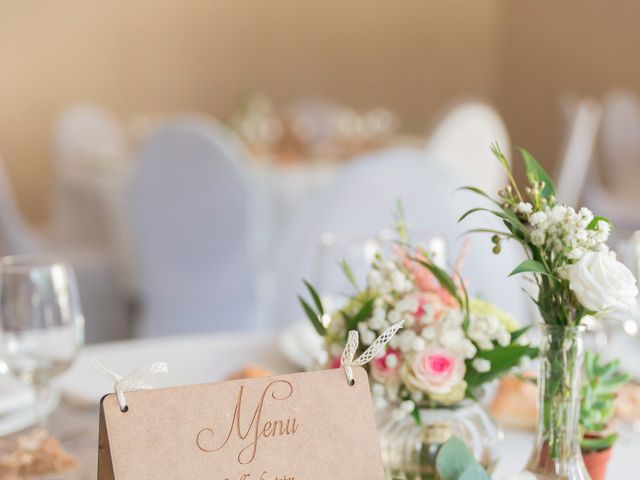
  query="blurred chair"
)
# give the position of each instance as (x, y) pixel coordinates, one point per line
(88, 139)
(189, 212)
(15, 235)
(583, 123)
(462, 142)
(360, 204)
(613, 181)
(102, 305)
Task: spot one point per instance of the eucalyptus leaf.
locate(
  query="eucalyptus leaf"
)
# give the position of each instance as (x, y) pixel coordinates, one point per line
(474, 472)
(453, 459)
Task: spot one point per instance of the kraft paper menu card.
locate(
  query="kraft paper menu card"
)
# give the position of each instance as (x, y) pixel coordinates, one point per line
(304, 426)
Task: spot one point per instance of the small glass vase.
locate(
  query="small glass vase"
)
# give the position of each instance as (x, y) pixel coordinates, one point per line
(409, 450)
(556, 454)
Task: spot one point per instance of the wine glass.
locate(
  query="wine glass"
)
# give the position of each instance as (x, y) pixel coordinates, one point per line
(41, 323)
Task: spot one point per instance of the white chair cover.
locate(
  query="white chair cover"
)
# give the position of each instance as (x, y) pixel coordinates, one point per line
(613, 181)
(620, 136)
(88, 139)
(87, 135)
(584, 120)
(462, 141)
(15, 235)
(360, 203)
(189, 216)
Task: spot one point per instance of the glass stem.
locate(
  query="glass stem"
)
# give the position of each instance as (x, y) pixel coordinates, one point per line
(42, 396)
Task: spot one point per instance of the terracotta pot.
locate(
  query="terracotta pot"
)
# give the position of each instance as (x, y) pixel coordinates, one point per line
(596, 463)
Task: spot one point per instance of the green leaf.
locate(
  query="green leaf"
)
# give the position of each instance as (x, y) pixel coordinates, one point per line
(530, 266)
(443, 278)
(346, 269)
(497, 152)
(416, 415)
(453, 459)
(520, 332)
(593, 224)
(313, 317)
(315, 296)
(599, 443)
(535, 172)
(502, 360)
(363, 314)
(480, 192)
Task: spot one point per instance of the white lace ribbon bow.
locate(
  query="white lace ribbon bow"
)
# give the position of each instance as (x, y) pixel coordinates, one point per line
(347, 361)
(141, 379)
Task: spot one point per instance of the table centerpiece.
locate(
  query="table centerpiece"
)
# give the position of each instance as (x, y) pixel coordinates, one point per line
(426, 383)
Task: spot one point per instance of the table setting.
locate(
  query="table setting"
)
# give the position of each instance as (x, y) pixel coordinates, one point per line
(417, 378)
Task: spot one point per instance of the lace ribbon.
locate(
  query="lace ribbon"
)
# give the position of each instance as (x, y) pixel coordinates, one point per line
(347, 360)
(141, 379)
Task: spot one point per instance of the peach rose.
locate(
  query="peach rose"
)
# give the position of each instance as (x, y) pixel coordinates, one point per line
(434, 370)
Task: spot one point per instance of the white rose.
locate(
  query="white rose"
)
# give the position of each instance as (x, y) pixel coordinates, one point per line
(602, 284)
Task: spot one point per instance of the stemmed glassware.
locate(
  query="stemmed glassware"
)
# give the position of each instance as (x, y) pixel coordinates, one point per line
(41, 322)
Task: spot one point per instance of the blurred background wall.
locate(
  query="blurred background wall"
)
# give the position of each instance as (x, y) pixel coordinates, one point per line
(413, 56)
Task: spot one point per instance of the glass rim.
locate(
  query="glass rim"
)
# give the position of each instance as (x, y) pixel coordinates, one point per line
(24, 263)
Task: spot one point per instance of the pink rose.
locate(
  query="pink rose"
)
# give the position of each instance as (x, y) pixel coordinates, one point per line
(387, 365)
(434, 370)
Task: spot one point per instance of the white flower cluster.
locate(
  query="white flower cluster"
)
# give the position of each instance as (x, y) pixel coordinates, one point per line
(484, 329)
(427, 359)
(562, 230)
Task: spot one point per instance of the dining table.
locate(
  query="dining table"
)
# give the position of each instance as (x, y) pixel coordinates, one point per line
(204, 358)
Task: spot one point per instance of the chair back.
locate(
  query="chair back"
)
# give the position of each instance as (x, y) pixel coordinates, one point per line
(462, 142)
(575, 164)
(15, 235)
(87, 135)
(360, 203)
(620, 138)
(189, 211)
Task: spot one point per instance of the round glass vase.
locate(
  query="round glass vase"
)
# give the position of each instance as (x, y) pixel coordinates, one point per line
(409, 449)
(556, 453)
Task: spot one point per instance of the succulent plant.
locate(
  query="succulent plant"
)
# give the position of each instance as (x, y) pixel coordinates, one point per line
(602, 382)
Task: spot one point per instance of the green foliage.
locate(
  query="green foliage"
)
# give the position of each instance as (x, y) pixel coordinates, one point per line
(361, 315)
(593, 224)
(502, 359)
(346, 269)
(315, 317)
(535, 173)
(532, 266)
(455, 462)
(601, 384)
(556, 302)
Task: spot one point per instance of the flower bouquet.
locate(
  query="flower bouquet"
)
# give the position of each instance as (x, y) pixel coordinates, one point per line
(576, 277)
(450, 346)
